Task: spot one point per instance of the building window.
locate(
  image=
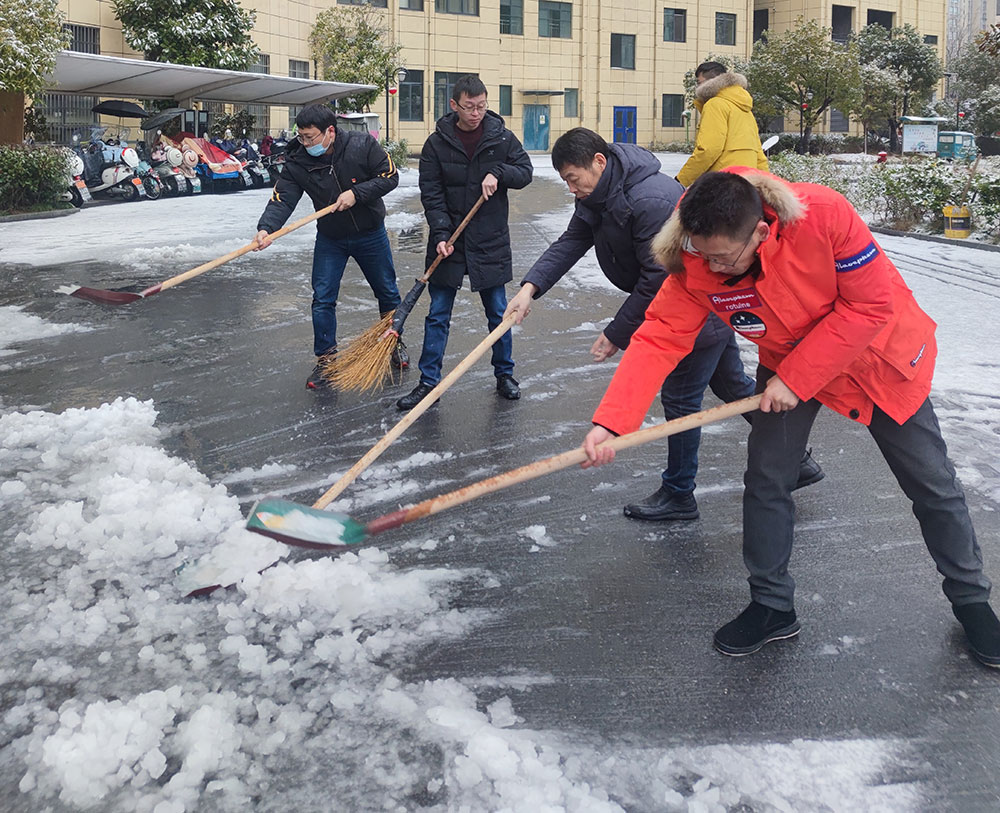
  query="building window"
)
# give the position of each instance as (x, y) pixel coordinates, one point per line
(260, 112)
(930, 39)
(674, 25)
(66, 114)
(760, 21)
(457, 7)
(298, 69)
(506, 100)
(673, 106)
(623, 51)
(83, 38)
(882, 18)
(842, 23)
(511, 16)
(411, 96)
(376, 3)
(725, 29)
(555, 19)
(412, 5)
(571, 103)
(444, 84)
(839, 123)
(293, 111)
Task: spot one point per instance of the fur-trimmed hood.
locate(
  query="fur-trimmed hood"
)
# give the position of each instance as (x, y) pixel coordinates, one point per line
(711, 88)
(777, 195)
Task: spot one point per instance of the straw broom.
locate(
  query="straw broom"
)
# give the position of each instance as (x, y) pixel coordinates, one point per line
(366, 362)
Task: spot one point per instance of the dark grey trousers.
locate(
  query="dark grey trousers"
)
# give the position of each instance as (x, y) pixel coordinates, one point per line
(916, 454)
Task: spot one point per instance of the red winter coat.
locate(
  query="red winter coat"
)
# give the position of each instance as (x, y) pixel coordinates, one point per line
(829, 312)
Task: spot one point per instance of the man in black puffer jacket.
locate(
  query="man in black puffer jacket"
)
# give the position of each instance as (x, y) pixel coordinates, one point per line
(349, 168)
(622, 201)
(470, 153)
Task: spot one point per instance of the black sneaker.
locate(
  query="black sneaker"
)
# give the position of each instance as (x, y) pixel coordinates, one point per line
(316, 380)
(415, 397)
(663, 504)
(508, 388)
(400, 358)
(983, 631)
(809, 471)
(755, 626)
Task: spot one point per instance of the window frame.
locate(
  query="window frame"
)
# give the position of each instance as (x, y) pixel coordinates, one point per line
(728, 19)
(622, 39)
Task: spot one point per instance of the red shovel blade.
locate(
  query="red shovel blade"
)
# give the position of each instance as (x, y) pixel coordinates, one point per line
(104, 297)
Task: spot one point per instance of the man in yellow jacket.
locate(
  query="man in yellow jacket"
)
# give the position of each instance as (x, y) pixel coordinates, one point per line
(727, 135)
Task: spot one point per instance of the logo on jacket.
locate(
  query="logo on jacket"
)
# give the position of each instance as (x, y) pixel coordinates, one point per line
(863, 257)
(740, 300)
(748, 324)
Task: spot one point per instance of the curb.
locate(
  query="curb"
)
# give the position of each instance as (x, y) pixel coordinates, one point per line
(934, 238)
(38, 215)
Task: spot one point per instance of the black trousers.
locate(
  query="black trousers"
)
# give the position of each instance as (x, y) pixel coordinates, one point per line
(916, 454)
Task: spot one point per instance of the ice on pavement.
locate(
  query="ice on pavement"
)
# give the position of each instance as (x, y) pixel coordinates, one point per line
(16, 327)
(123, 696)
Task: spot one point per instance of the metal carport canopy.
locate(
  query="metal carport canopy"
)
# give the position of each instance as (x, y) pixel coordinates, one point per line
(113, 76)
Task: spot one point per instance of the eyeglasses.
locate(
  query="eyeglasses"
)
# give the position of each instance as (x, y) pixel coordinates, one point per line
(690, 249)
(474, 108)
(310, 140)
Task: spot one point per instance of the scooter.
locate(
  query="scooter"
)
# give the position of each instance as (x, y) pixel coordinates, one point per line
(109, 168)
(76, 188)
(166, 162)
(189, 160)
(258, 173)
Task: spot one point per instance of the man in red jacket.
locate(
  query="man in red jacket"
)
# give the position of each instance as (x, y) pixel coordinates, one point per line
(793, 268)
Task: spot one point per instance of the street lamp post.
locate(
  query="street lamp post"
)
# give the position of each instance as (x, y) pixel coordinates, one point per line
(400, 74)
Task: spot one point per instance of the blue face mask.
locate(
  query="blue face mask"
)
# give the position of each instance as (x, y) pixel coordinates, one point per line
(316, 150)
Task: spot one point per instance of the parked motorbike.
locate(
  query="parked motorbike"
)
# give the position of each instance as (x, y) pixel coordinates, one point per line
(274, 161)
(76, 188)
(189, 160)
(109, 168)
(258, 173)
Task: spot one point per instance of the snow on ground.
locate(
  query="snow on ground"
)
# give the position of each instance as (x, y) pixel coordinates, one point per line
(122, 695)
(17, 327)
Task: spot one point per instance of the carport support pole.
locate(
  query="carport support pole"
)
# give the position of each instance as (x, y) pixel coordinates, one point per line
(11, 117)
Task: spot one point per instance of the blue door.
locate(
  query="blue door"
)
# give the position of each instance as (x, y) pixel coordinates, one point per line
(536, 127)
(625, 125)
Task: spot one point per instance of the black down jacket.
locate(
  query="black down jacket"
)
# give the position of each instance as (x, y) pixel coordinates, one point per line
(450, 184)
(357, 162)
(629, 205)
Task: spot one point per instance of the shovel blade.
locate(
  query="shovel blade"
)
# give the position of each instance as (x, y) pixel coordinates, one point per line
(102, 296)
(304, 527)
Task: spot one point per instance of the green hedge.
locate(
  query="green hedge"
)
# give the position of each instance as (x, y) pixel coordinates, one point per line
(31, 178)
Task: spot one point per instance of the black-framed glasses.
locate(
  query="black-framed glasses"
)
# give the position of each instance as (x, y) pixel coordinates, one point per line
(482, 107)
(308, 141)
(690, 249)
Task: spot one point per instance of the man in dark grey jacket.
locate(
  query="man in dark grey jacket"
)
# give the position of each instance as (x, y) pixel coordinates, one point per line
(470, 153)
(348, 168)
(622, 201)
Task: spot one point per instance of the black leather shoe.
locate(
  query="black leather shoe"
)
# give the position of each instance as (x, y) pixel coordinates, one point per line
(809, 472)
(755, 626)
(400, 358)
(663, 504)
(983, 631)
(419, 393)
(508, 388)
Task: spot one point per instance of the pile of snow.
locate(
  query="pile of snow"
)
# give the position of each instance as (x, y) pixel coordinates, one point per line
(16, 326)
(122, 695)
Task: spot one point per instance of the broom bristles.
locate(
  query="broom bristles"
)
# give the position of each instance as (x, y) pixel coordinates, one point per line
(366, 363)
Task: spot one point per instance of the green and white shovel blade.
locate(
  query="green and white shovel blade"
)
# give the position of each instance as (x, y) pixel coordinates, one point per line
(305, 527)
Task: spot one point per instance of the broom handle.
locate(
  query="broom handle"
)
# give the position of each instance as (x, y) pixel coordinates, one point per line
(232, 255)
(560, 461)
(426, 403)
(454, 237)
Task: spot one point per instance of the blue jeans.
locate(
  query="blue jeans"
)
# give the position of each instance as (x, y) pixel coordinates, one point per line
(714, 362)
(438, 322)
(371, 251)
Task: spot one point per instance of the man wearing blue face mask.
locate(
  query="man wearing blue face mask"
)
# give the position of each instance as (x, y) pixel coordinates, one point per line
(350, 169)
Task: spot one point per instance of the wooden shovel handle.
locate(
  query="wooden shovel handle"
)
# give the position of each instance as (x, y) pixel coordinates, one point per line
(426, 403)
(232, 255)
(560, 461)
(455, 235)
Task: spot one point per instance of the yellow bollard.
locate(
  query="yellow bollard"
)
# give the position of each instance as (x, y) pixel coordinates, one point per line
(957, 222)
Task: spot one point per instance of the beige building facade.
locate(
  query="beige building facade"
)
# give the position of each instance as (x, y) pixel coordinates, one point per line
(616, 66)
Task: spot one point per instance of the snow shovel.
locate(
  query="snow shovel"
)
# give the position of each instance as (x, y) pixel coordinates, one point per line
(123, 297)
(298, 525)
